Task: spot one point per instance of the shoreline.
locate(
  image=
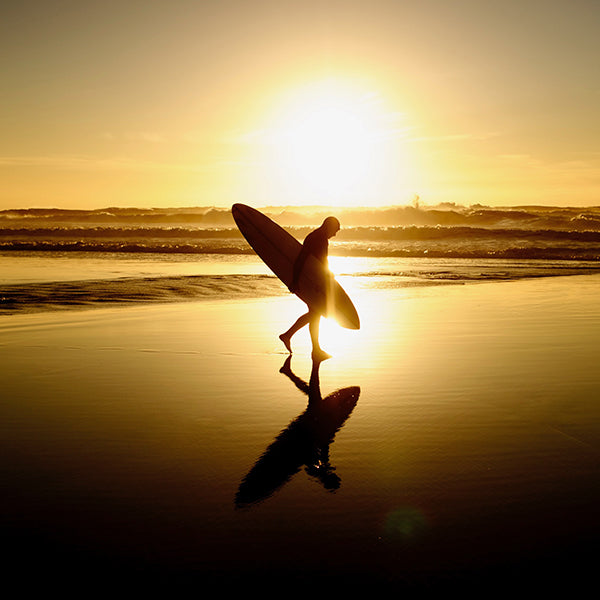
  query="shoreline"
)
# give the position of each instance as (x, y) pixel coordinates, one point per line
(52, 296)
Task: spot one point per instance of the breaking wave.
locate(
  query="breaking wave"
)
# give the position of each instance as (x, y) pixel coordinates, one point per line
(449, 231)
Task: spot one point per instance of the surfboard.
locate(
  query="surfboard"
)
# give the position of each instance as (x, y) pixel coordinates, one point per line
(279, 249)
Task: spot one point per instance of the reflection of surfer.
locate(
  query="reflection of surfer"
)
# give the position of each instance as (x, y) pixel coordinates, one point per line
(317, 244)
(317, 464)
(304, 443)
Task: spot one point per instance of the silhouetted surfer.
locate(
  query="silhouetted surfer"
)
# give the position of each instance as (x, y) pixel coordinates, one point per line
(317, 244)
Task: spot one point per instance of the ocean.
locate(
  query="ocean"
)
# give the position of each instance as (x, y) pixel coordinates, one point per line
(58, 259)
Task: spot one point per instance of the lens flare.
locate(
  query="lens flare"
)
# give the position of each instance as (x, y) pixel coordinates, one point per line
(405, 524)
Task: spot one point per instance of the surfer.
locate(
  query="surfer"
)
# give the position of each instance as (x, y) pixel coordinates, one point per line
(317, 244)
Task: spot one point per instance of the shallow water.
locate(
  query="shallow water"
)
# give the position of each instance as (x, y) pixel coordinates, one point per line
(41, 281)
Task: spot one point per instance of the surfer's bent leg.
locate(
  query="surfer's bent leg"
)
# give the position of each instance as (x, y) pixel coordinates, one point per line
(299, 324)
(312, 318)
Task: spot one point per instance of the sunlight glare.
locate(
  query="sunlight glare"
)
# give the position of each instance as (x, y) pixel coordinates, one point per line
(331, 144)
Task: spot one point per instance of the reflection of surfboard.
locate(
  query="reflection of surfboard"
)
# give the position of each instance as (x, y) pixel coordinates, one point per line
(279, 250)
(304, 441)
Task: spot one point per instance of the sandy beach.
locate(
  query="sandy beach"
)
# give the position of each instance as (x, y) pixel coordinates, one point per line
(453, 441)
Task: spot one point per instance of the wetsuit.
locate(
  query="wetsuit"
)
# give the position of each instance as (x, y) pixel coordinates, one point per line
(315, 243)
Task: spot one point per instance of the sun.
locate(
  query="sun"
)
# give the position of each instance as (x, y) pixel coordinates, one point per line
(330, 143)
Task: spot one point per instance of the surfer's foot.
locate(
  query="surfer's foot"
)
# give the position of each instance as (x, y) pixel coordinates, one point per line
(319, 355)
(286, 339)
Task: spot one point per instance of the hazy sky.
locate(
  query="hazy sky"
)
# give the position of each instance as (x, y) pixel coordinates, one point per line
(150, 103)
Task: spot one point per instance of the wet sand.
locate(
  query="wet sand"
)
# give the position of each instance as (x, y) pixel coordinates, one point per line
(452, 443)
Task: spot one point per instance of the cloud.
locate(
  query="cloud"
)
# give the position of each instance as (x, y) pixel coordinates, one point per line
(146, 136)
(453, 137)
(87, 163)
(590, 164)
(152, 137)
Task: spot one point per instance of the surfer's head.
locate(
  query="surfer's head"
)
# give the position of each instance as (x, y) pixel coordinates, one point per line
(331, 225)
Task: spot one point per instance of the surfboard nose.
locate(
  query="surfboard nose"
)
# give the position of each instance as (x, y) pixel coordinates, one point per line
(236, 212)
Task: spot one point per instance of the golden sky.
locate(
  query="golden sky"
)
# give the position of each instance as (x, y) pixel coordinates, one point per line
(197, 103)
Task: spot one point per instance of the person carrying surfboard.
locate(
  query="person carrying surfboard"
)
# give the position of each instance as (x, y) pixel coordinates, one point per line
(316, 244)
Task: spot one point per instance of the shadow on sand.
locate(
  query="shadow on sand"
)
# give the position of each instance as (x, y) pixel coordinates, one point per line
(304, 443)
